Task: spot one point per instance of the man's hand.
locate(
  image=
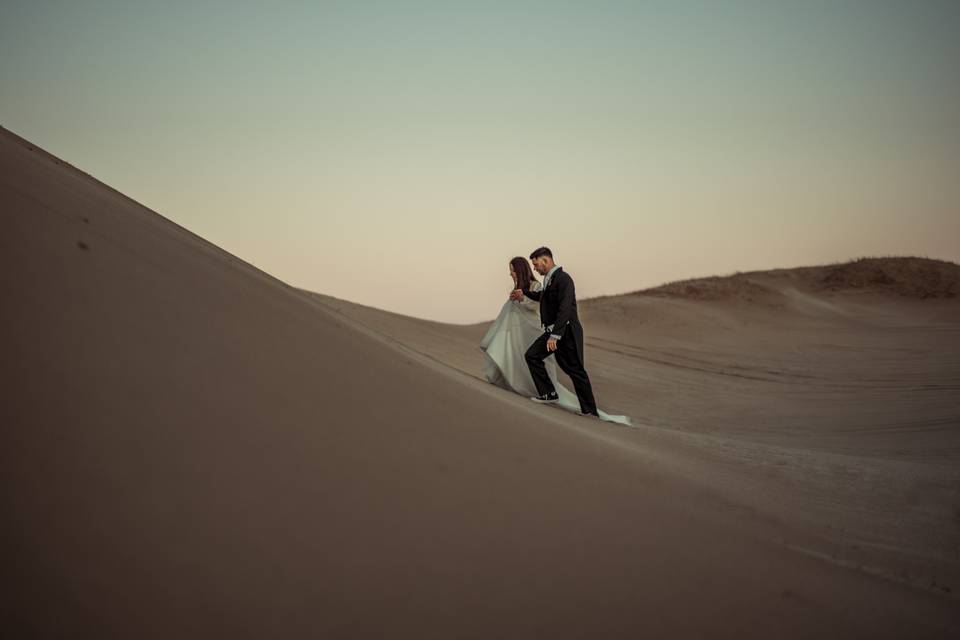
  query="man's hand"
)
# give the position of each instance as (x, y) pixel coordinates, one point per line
(516, 294)
(552, 344)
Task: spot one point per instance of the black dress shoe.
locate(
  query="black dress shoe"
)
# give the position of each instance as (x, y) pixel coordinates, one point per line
(547, 397)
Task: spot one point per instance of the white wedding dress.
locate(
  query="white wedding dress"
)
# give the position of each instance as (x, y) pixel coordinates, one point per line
(504, 346)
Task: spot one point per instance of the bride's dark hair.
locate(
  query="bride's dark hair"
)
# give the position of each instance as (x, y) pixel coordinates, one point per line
(524, 273)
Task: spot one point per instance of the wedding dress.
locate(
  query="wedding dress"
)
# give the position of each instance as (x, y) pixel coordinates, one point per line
(504, 346)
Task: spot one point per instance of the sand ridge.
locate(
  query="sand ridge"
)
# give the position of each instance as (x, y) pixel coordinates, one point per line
(194, 448)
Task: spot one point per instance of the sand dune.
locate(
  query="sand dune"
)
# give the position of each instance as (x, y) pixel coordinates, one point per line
(813, 395)
(193, 448)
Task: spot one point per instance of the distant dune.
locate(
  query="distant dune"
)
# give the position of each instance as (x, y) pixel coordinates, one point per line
(193, 448)
(906, 276)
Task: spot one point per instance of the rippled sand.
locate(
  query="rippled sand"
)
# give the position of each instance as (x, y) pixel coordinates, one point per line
(192, 448)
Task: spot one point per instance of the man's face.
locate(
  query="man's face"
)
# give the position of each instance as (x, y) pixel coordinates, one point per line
(543, 264)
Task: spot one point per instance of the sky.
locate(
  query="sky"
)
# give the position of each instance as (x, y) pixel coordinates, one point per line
(398, 154)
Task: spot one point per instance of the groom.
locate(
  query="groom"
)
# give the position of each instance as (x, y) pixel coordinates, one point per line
(563, 333)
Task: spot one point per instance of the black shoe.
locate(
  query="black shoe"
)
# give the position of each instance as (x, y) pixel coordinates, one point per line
(547, 397)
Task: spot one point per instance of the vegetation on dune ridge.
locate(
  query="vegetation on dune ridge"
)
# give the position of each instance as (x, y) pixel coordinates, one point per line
(909, 276)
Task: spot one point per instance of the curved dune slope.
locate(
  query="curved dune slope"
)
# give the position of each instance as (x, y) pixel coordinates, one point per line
(192, 448)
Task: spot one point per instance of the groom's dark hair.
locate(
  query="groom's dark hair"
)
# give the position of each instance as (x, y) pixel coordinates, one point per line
(542, 251)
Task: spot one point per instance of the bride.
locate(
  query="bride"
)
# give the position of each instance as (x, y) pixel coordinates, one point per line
(507, 339)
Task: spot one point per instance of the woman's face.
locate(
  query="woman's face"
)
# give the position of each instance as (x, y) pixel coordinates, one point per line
(513, 272)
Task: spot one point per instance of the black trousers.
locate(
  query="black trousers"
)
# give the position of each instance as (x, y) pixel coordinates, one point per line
(569, 355)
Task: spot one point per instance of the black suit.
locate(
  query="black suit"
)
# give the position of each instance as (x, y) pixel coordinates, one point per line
(558, 306)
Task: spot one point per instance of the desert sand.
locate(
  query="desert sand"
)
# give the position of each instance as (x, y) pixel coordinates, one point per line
(194, 448)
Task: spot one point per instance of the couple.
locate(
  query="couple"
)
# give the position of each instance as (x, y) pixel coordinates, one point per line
(535, 323)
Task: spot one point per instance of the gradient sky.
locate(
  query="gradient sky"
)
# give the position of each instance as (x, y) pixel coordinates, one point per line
(398, 154)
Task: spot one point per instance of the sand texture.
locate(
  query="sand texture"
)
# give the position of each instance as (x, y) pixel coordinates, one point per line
(193, 448)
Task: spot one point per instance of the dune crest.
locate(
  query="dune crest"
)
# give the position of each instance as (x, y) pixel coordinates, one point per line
(907, 276)
(193, 448)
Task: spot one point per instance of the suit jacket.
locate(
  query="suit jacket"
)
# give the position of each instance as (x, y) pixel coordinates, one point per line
(558, 302)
